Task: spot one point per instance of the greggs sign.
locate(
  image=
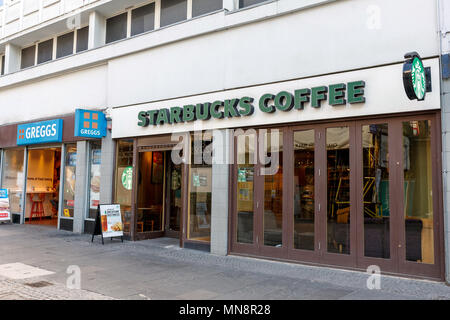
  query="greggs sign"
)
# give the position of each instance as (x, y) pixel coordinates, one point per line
(40, 132)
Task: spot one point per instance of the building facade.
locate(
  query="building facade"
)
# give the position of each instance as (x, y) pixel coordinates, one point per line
(279, 129)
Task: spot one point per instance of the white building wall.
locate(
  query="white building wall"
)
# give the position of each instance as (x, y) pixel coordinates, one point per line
(331, 38)
(55, 96)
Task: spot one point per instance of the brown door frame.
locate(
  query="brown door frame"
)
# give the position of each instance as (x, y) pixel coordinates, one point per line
(435, 270)
(288, 188)
(244, 248)
(137, 149)
(356, 259)
(390, 264)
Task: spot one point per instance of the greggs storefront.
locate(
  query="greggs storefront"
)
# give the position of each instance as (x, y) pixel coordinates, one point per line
(342, 169)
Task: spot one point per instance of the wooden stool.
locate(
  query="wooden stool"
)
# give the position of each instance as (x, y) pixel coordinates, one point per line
(37, 206)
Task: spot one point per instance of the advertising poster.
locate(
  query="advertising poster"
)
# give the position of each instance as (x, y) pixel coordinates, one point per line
(111, 220)
(5, 213)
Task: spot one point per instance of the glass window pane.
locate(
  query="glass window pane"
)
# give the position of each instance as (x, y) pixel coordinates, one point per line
(173, 11)
(43, 184)
(418, 195)
(28, 57)
(150, 191)
(69, 180)
(95, 161)
(82, 39)
(376, 190)
(246, 3)
(3, 65)
(246, 153)
(116, 28)
(124, 180)
(143, 19)
(45, 51)
(338, 190)
(200, 188)
(200, 7)
(13, 176)
(65, 45)
(175, 194)
(304, 214)
(273, 189)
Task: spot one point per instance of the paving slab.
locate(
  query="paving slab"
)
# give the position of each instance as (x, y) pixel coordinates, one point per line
(159, 269)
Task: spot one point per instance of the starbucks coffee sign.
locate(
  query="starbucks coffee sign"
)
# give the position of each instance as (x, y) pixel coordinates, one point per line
(338, 94)
(414, 77)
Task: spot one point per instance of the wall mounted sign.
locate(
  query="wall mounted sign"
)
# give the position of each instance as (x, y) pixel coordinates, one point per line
(90, 124)
(40, 132)
(337, 95)
(414, 77)
(5, 211)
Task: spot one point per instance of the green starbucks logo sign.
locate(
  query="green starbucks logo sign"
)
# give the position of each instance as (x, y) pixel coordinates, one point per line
(127, 178)
(418, 78)
(414, 77)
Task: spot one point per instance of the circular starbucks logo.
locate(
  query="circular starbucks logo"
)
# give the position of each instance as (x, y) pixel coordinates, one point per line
(418, 78)
(127, 178)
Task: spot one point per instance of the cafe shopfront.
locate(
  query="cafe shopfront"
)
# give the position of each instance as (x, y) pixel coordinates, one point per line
(342, 169)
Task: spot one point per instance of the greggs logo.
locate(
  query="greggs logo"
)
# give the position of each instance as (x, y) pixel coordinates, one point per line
(90, 124)
(40, 132)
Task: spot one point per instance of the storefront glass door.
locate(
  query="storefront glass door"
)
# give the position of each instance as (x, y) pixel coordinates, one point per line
(150, 192)
(354, 194)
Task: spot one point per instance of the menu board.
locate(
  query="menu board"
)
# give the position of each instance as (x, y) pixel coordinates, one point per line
(5, 213)
(111, 220)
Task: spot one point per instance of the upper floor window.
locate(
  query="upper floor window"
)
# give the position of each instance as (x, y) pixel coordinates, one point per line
(173, 11)
(200, 7)
(116, 28)
(2, 67)
(45, 51)
(28, 57)
(143, 19)
(82, 39)
(64, 45)
(247, 3)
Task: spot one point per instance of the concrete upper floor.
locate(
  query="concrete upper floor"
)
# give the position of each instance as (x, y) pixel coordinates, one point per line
(232, 47)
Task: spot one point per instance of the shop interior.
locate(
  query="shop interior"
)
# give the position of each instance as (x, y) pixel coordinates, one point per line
(43, 181)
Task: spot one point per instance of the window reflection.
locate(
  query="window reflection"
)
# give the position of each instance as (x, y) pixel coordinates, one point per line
(12, 177)
(418, 197)
(200, 189)
(376, 190)
(338, 215)
(70, 172)
(124, 180)
(273, 189)
(304, 190)
(246, 151)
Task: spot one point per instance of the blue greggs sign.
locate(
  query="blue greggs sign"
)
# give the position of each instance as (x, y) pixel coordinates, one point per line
(90, 124)
(40, 132)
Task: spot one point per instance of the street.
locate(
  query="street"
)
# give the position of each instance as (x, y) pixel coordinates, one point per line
(35, 260)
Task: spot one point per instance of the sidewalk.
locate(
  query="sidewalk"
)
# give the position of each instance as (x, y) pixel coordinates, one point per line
(159, 269)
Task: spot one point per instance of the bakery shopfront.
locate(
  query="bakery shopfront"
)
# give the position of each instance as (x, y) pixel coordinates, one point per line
(342, 169)
(39, 162)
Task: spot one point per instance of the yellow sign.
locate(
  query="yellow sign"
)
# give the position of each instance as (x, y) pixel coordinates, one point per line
(66, 213)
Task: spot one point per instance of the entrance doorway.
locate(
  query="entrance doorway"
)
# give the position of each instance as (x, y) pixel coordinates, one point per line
(353, 194)
(158, 196)
(43, 183)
